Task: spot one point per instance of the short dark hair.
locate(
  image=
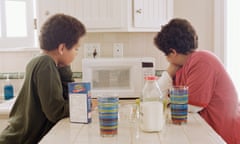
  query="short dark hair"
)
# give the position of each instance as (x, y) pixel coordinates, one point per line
(178, 34)
(60, 28)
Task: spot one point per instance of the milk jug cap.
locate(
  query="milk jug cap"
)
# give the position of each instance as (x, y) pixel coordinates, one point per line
(151, 78)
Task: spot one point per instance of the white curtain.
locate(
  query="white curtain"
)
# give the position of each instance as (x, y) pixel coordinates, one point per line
(233, 41)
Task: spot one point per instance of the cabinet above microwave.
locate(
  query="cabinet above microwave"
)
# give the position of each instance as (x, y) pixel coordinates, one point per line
(111, 15)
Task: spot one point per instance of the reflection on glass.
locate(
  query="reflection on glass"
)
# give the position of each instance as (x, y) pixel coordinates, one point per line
(16, 19)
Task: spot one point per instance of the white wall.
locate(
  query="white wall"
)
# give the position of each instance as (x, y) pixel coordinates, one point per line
(198, 12)
(201, 14)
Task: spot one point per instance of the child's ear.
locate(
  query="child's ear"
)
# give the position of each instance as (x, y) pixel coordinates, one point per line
(173, 51)
(61, 48)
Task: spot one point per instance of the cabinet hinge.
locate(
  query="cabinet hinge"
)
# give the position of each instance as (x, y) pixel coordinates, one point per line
(35, 23)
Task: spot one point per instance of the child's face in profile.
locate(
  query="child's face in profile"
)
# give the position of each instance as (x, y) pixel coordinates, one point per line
(68, 55)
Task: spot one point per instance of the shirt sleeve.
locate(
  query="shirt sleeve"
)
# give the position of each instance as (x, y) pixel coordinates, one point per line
(165, 82)
(50, 93)
(200, 78)
(66, 77)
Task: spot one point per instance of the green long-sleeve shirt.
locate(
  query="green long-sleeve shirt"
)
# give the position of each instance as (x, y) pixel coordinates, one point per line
(40, 103)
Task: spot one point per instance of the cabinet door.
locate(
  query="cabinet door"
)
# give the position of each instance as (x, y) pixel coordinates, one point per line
(93, 13)
(100, 13)
(47, 8)
(149, 13)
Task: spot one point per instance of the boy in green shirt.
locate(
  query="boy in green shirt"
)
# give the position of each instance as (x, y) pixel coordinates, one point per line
(43, 100)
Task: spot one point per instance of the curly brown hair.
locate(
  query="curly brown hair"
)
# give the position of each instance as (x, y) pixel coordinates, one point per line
(178, 34)
(58, 29)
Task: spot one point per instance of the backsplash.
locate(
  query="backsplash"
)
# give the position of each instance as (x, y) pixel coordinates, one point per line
(135, 44)
(76, 75)
(12, 75)
(16, 79)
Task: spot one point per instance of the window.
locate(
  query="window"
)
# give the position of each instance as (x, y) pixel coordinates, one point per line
(227, 36)
(13, 9)
(16, 23)
(232, 41)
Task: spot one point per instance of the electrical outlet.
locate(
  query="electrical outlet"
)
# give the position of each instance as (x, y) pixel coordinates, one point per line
(92, 50)
(118, 50)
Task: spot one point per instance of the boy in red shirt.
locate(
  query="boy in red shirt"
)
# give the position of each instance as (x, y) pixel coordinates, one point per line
(211, 91)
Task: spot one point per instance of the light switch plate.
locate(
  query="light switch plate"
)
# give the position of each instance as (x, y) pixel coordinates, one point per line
(90, 48)
(118, 50)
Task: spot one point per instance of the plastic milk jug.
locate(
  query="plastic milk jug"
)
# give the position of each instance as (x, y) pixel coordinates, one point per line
(151, 106)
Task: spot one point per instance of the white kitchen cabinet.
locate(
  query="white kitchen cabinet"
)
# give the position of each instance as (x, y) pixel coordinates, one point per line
(46, 8)
(101, 14)
(95, 14)
(149, 13)
(111, 15)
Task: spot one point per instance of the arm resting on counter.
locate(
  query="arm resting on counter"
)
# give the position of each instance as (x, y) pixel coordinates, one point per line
(165, 83)
(66, 77)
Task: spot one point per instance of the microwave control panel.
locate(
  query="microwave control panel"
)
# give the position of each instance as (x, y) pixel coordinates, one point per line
(148, 68)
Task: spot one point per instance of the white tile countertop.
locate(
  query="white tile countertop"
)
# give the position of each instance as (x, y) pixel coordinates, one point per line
(3, 124)
(5, 107)
(196, 131)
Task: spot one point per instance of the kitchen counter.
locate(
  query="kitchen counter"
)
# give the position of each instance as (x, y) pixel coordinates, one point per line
(5, 107)
(196, 131)
(3, 124)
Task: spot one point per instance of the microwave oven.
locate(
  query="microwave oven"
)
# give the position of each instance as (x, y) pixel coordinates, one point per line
(118, 76)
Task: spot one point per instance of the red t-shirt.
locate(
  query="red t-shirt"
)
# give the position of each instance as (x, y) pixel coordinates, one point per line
(210, 87)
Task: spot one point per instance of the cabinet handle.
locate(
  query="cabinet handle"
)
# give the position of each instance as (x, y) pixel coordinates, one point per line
(139, 11)
(47, 13)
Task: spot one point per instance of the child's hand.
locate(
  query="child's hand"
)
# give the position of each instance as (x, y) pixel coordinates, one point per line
(60, 65)
(172, 69)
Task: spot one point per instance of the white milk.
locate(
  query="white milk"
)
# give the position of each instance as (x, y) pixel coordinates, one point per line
(151, 116)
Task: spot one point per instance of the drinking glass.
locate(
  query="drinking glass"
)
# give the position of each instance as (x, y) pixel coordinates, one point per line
(108, 115)
(179, 104)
